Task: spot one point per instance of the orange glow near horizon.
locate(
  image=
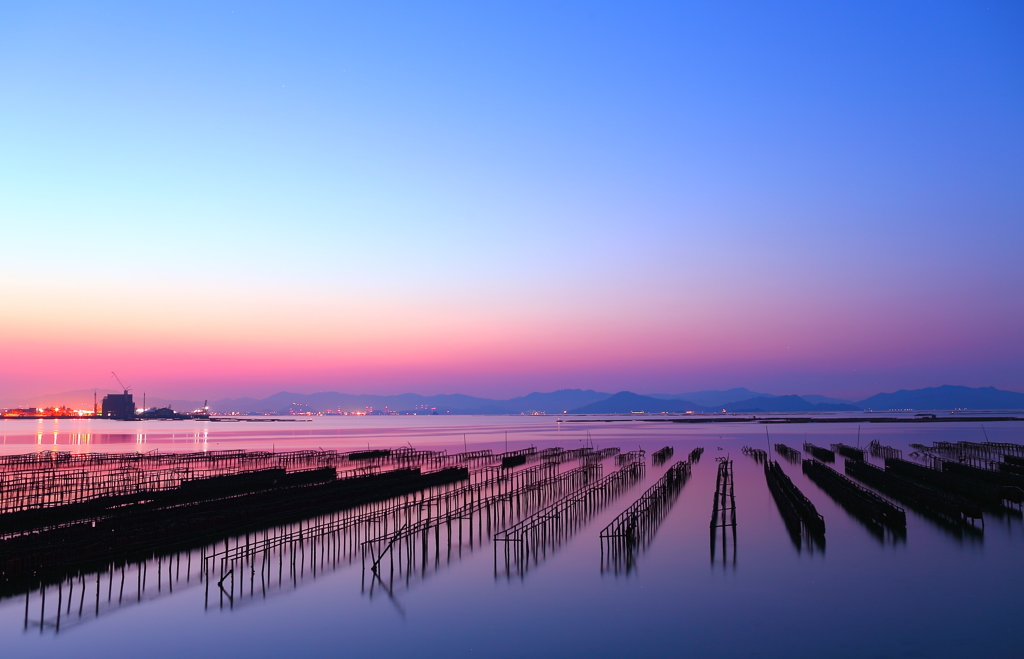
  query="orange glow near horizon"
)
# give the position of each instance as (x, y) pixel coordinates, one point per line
(491, 348)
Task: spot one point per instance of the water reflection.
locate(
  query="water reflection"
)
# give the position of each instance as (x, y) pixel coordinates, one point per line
(442, 527)
(398, 541)
(86, 596)
(803, 522)
(530, 541)
(437, 536)
(633, 530)
(723, 513)
(884, 520)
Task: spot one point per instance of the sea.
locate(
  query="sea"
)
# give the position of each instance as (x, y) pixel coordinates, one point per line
(688, 589)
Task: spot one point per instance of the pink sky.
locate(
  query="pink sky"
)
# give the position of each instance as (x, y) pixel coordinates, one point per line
(255, 350)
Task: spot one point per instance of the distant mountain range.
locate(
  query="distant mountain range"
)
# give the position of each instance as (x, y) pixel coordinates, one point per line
(712, 398)
(717, 399)
(626, 401)
(555, 402)
(946, 398)
(579, 401)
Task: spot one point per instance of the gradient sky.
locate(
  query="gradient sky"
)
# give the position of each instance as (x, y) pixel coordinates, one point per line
(226, 199)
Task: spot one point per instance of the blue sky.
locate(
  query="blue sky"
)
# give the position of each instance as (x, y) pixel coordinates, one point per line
(713, 180)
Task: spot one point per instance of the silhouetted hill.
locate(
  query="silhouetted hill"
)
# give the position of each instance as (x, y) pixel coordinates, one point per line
(716, 398)
(555, 402)
(625, 402)
(786, 404)
(946, 397)
(574, 400)
(814, 398)
(551, 403)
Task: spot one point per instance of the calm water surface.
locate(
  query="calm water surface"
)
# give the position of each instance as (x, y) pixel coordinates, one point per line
(932, 593)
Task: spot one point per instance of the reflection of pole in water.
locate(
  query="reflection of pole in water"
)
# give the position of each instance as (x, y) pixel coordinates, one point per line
(723, 514)
(533, 537)
(490, 502)
(61, 603)
(631, 532)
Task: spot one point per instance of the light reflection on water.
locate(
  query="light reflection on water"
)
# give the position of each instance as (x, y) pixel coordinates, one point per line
(935, 591)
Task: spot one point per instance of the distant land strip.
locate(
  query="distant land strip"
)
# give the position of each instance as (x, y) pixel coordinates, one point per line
(955, 418)
(943, 399)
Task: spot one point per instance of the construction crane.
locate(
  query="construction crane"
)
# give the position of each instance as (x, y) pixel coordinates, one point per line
(126, 389)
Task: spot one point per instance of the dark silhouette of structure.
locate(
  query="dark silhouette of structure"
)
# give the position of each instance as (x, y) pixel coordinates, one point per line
(118, 406)
(724, 513)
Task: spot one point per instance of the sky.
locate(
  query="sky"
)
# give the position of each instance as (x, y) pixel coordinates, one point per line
(234, 198)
